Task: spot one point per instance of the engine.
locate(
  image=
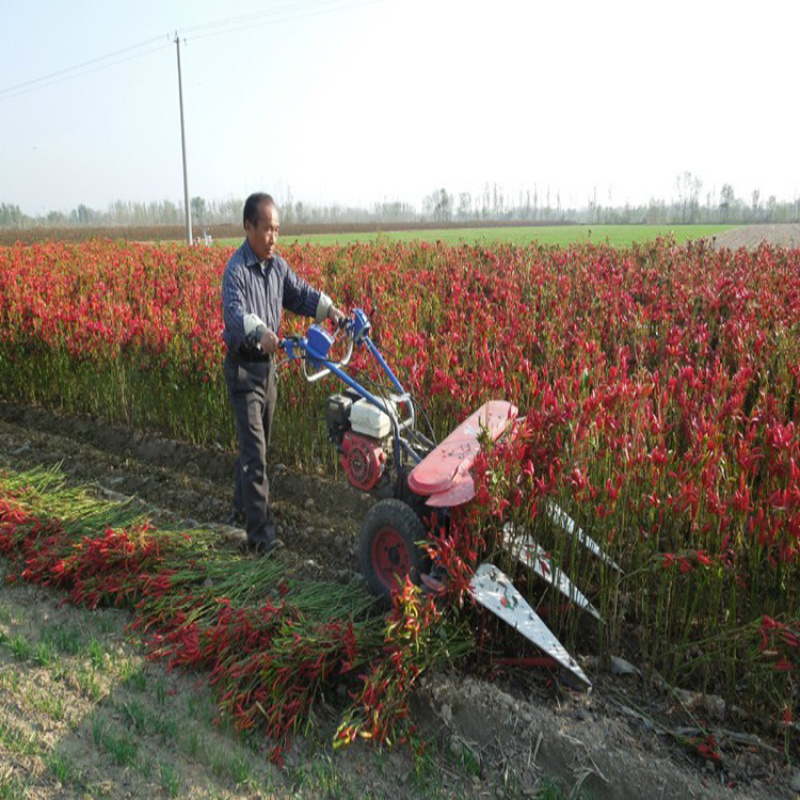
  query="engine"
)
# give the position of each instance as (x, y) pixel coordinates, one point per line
(358, 429)
(363, 459)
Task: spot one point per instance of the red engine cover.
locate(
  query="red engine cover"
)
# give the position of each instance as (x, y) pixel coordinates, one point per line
(363, 460)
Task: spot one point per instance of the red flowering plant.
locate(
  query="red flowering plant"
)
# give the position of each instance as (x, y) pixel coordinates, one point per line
(677, 370)
(774, 666)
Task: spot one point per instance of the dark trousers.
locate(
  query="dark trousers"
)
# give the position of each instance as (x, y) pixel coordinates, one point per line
(253, 391)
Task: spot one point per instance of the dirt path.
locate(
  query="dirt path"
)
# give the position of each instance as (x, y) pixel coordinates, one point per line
(750, 236)
(500, 735)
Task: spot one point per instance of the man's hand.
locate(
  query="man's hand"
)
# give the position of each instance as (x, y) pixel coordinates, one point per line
(337, 317)
(269, 342)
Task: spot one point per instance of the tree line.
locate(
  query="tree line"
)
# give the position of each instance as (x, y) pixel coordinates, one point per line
(689, 205)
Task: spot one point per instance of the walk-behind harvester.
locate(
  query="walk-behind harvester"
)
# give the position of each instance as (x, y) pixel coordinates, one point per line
(383, 451)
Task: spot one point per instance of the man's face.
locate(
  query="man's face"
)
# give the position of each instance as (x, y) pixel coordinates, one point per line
(263, 235)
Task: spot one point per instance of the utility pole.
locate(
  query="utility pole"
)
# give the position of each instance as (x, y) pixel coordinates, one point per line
(183, 148)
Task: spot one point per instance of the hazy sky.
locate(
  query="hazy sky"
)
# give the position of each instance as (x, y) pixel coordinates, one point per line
(357, 101)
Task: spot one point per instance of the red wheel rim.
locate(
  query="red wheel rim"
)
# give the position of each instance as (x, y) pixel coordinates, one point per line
(390, 558)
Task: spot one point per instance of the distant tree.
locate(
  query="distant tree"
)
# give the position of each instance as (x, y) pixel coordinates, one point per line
(56, 218)
(727, 202)
(438, 206)
(394, 211)
(444, 208)
(86, 215)
(198, 206)
(593, 207)
(11, 216)
(497, 202)
(656, 212)
(688, 196)
(464, 205)
(116, 212)
(170, 213)
(287, 208)
(755, 204)
(772, 208)
(138, 213)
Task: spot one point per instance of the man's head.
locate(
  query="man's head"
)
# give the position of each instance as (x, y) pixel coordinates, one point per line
(261, 224)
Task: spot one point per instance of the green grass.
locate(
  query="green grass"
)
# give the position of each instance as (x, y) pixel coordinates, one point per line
(65, 640)
(17, 742)
(11, 789)
(169, 779)
(615, 235)
(122, 748)
(47, 702)
(63, 769)
(133, 675)
(20, 647)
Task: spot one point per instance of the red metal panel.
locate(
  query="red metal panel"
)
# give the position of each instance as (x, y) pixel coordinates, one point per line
(448, 464)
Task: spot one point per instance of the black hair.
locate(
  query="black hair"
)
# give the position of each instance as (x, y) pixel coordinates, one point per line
(253, 204)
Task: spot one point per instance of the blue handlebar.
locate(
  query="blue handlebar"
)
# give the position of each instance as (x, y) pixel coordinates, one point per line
(359, 325)
(314, 347)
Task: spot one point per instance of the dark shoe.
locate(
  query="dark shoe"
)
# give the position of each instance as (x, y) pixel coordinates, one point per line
(264, 548)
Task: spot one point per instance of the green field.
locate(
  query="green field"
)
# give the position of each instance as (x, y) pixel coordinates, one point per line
(615, 235)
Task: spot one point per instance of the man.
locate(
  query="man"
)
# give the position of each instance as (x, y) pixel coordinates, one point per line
(256, 285)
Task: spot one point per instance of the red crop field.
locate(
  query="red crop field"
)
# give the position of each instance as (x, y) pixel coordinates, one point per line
(659, 385)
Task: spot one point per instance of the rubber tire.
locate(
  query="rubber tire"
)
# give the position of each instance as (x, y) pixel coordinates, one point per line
(389, 538)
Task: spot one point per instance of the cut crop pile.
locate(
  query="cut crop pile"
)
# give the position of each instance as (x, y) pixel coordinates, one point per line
(271, 640)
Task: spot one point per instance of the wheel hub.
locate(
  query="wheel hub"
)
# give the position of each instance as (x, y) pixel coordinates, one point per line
(390, 557)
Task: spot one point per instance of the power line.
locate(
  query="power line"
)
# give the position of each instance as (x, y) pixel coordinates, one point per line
(287, 16)
(258, 15)
(96, 68)
(13, 89)
(283, 13)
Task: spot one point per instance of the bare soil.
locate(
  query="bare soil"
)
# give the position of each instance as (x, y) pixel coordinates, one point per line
(492, 734)
(751, 236)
